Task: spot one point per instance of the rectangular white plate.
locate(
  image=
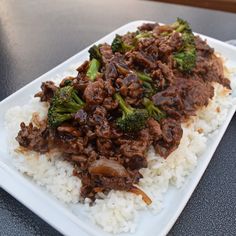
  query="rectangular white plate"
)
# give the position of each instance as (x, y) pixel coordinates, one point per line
(56, 213)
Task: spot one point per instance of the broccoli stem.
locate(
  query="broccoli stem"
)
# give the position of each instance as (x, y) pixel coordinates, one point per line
(149, 89)
(141, 35)
(92, 71)
(150, 106)
(144, 77)
(77, 99)
(178, 28)
(147, 85)
(153, 110)
(125, 108)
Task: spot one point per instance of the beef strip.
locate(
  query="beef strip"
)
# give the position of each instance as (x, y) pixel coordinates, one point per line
(92, 184)
(33, 138)
(171, 136)
(184, 97)
(106, 52)
(148, 26)
(131, 88)
(134, 150)
(48, 90)
(143, 60)
(154, 129)
(94, 93)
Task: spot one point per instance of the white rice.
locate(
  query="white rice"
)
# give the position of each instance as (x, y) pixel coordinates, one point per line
(119, 211)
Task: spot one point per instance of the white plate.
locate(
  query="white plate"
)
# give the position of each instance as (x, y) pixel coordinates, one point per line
(59, 215)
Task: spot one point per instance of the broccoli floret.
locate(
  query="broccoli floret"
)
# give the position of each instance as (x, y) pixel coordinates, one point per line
(186, 57)
(152, 110)
(149, 89)
(94, 53)
(186, 60)
(118, 45)
(181, 26)
(65, 103)
(93, 70)
(132, 119)
(140, 35)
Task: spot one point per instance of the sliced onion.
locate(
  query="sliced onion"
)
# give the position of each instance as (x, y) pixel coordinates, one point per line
(138, 191)
(108, 167)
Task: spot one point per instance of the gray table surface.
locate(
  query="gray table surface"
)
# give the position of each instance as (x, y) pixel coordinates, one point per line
(35, 36)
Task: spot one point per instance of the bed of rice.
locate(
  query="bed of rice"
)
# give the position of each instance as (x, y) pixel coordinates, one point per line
(119, 211)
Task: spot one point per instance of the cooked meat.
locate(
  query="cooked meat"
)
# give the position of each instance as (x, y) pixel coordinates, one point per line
(48, 90)
(81, 116)
(83, 68)
(103, 130)
(105, 147)
(33, 138)
(171, 136)
(98, 116)
(184, 97)
(154, 129)
(110, 104)
(138, 83)
(142, 60)
(91, 184)
(147, 26)
(70, 144)
(110, 71)
(203, 48)
(106, 52)
(170, 100)
(134, 150)
(131, 88)
(94, 93)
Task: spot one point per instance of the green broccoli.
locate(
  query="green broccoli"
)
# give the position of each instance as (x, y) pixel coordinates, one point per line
(185, 58)
(144, 77)
(94, 53)
(152, 110)
(95, 57)
(181, 26)
(65, 103)
(141, 35)
(149, 89)
(93, 69)
(118, 45)
(132, 119)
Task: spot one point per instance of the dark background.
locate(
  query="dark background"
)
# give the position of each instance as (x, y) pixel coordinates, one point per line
(35, 36)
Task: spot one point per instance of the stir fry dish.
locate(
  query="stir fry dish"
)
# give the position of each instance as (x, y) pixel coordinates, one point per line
(128, 96)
